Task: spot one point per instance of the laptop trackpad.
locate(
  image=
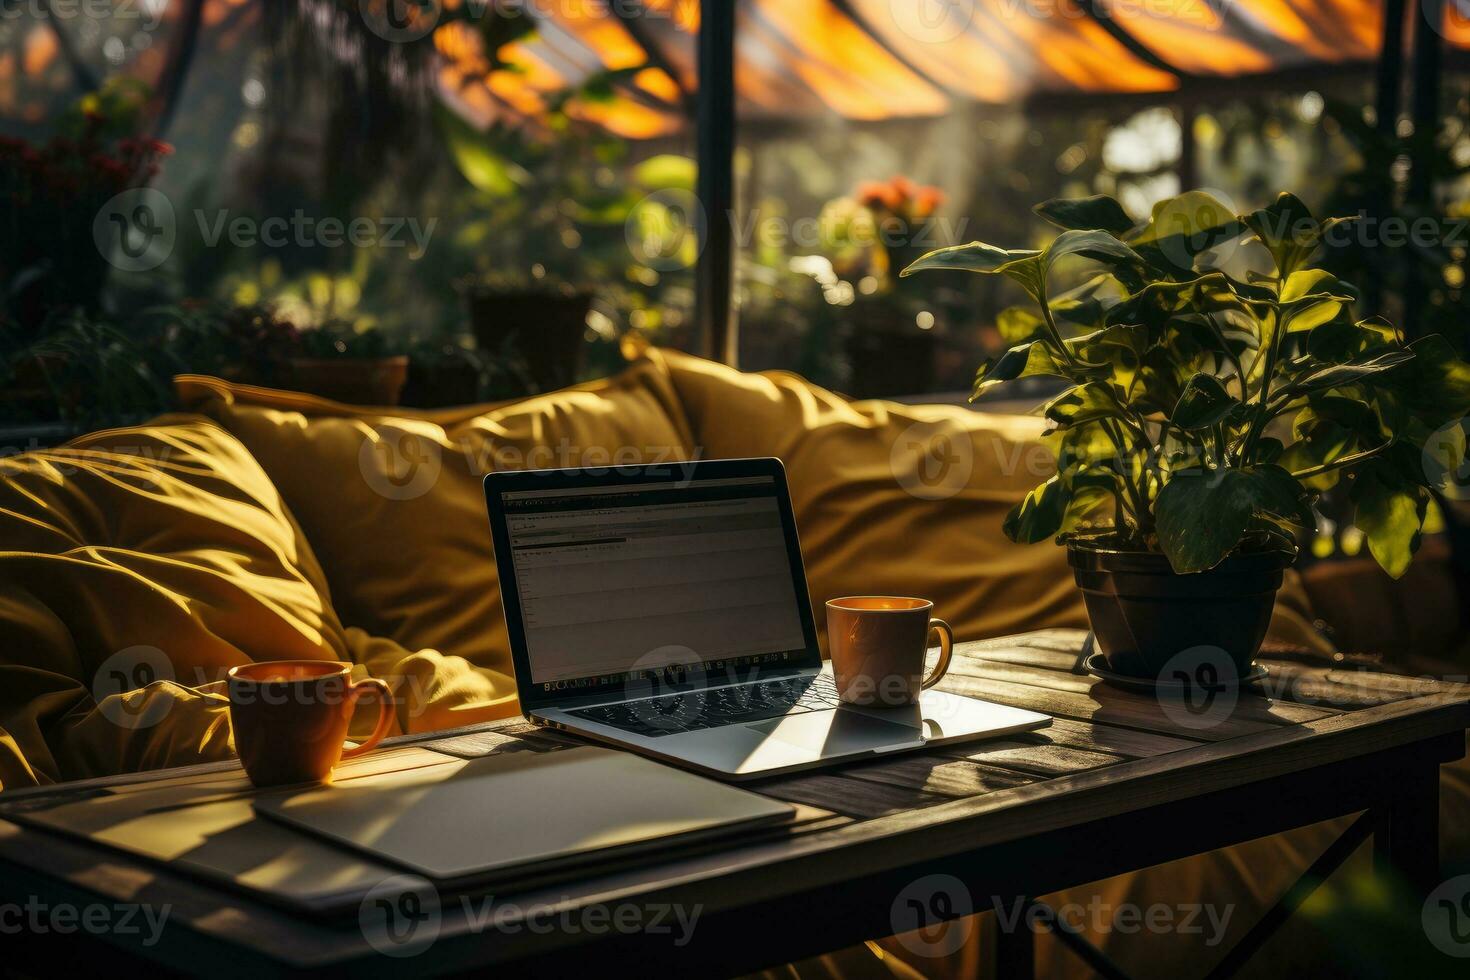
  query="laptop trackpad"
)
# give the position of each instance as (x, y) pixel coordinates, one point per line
(841, 731)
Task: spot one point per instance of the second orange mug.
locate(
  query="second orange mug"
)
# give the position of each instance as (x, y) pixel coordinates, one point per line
(878, 645)
(290, 718)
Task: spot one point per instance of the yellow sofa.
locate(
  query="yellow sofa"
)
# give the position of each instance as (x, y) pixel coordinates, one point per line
(275, 525)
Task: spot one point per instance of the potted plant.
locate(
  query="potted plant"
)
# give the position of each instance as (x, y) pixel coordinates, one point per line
(540, 323)
(346, 365)
(869, 234)
(1217, 383)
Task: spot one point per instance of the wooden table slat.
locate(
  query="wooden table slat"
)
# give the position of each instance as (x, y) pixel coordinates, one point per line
(1039, 758)
(1131, 710)
(1130, 743)
(934, 772)
(860, 798)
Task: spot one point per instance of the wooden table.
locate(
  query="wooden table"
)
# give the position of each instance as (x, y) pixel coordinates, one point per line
(1022, 816)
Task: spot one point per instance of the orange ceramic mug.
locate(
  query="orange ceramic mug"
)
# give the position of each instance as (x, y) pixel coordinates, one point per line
(878, 645)
(290, 718)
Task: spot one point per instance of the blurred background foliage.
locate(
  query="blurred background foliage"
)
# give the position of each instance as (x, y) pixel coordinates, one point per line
(529, 170)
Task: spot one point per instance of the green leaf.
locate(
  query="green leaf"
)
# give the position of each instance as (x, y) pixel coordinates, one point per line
(1312, 313)
(1309, 282)
(1337, 340)
(667, 171)
(1099, 211)
(1181, 227)
(1200, 517)
(481, 165)
(1096, 245)
(1437, 386)
(1022, 361)
(1084, 403)
(1089, 492)
(1343, 374)
(1203, 403)
(1289, 232)
(1392, 517)
(974, 257)
(1039, 515)
(1323, 441)
(1017, 324)
(1279, 493)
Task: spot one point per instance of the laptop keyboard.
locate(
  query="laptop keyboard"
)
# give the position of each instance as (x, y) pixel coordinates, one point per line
(695, 710)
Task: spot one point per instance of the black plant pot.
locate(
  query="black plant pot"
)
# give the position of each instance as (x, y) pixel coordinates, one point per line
(1143, 613)
(547, 331)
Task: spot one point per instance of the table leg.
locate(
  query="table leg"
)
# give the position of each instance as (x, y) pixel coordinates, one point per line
(1406, 829)
(1015, 948)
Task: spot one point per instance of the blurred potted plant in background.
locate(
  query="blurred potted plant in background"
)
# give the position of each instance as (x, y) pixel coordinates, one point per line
(869, 235)
(49, 257)
(340, 362)
(1205, 412)
(548, 217)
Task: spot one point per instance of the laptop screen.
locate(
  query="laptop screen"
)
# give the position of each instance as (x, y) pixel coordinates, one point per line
(617, 581)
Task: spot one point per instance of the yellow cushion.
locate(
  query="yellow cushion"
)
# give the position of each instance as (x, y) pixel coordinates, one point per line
(907, 500)
(163, 553)
(151, 553)
(392, 501)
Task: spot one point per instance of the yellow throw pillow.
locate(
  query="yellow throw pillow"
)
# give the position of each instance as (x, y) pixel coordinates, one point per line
(155, 553)
(907, 500)
(392, 501)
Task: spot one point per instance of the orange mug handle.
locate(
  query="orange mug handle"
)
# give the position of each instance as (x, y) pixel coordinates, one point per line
(385, 713)
(946, 648)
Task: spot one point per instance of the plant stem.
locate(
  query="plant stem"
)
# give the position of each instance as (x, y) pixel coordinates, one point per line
(1263, 413)
(1054, 331)
(1321, 468)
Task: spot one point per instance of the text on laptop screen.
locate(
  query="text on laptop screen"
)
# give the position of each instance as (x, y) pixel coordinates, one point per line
(616, 581)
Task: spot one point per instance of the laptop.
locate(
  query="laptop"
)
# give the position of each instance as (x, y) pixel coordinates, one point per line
(663, 608)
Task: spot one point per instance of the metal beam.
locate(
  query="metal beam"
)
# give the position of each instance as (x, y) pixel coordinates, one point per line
(1428, 65)
(715, 153)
